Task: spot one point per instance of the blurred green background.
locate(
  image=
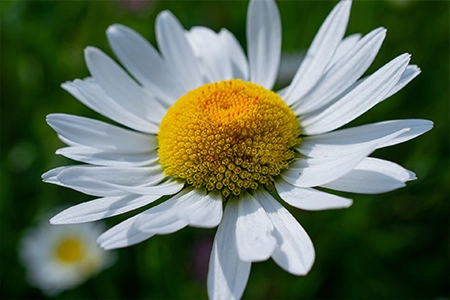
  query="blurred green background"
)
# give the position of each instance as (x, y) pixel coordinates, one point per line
(389, 246)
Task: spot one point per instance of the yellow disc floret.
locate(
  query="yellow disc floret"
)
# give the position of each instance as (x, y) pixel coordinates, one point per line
(70, 250)
(228, 136)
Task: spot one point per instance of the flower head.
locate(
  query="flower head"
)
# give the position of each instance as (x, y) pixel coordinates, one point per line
(206, 129)
(61, 257)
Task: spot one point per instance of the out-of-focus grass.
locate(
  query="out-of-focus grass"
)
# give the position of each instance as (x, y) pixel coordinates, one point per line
(393, 245)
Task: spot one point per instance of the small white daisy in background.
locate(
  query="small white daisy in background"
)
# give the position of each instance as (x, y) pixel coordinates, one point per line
(206, 129)
(61, 257)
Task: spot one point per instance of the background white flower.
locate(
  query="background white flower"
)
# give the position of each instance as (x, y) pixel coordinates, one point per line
(325, 94)
(61, 257)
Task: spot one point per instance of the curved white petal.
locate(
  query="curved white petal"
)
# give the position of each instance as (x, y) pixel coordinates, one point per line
(161, 219)
(294, 251)
(372, 176)
(142, 60)
(111, 181)
(227, 275)
(253, 230)
(358, 100)
(320, 52)
(343, 141)
(121, 176)
(123, 235)
(121, 87)
(100, 135)
(239, 62)
(350, 67)
(409, 74)
(51, 176)
(106, 158)
(176, 50)
(316, 171)
(264, 42)
(344, 46)
(102, 208)
(416, 128)
(92, 95)
(308, 198)
(71, 143)
(211, 52)
(101, 188)
(199, 209)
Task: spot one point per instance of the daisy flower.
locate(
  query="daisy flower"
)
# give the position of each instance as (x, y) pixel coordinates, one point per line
(61, 257)
(206, 132)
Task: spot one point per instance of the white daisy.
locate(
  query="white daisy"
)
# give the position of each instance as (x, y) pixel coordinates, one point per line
(61, 257)
(206, 130)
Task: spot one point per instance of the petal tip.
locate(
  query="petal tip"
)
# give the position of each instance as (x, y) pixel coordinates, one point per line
(416, 68)
(348, 204)
(53, 221)
(164, 14)
(89, 49)
(114, 28)
(91, 53)
(412, 176)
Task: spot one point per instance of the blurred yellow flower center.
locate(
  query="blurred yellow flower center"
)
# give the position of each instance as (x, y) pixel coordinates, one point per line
(228, 136)
(69, 250)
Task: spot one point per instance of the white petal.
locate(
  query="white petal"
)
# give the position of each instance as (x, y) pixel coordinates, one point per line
(102, 208)
(410, 73)
(264, 42)
(358, 100)
(51, 176)
(416, 128)
(143, 61)
(211, 52)
(161, 219)
(309, 172)
(344, 46)
(110, 181)
(121, 176)
(92, 95)
(100, 135)
(294, 251)
(105, 158)
(238, 59)
(283, 91)
(199, 209)
(253, 230)
(343, 141)
(123, 235)
(227, 275)
(343, 73)
(308, 198)
(69, 142)
(372, 176)
(176, 50)
(320, 52)
(118, 85)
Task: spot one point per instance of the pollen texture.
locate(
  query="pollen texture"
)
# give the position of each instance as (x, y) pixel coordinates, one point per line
(228, 136)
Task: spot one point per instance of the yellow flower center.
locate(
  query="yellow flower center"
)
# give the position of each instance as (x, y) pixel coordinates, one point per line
(70, 250)
(228, 136)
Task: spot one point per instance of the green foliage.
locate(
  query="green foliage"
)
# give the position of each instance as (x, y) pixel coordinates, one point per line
(388, 246)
